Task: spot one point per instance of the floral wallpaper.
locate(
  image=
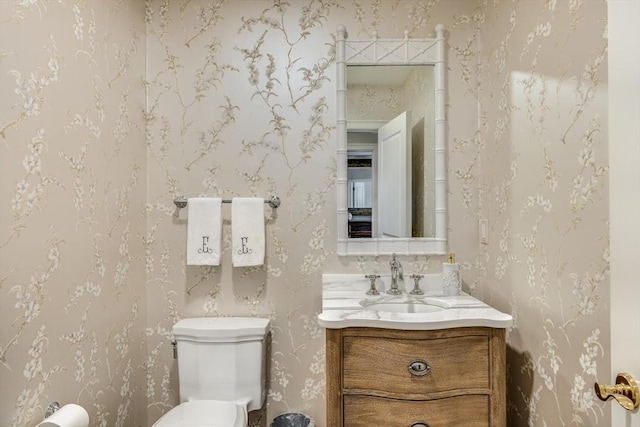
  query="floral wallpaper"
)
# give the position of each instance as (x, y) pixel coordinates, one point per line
(72, 283)
(110, 109)
(543, 188)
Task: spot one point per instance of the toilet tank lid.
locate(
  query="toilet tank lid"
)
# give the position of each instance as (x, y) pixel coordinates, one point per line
(221, 329)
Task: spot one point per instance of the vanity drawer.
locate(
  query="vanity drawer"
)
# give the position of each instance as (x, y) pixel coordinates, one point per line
(455, 363)
(367, 411)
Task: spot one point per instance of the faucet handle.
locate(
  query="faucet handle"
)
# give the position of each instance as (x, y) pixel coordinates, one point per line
(372, 290)
(416, 284)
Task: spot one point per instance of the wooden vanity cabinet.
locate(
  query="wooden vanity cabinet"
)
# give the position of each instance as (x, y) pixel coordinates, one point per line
(397, 378)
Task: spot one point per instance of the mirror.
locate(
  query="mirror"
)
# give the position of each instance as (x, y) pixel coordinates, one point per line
(391, 145)
(390, 106)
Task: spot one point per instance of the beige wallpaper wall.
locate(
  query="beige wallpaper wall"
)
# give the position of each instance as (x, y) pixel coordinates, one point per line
(543, 165)
(72, 185)
(239, 101)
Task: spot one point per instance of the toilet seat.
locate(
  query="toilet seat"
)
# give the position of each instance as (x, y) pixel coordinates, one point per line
(204, 413)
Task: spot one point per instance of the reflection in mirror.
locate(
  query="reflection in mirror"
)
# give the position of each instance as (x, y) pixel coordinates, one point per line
(391, 107)
(391, 175)
(362, 185)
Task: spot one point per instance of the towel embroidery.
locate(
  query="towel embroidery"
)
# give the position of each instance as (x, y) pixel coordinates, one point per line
(248, 231)
(245, 250)
(205, 249)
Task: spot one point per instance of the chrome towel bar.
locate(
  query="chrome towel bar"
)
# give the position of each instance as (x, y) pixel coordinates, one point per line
(273, 201)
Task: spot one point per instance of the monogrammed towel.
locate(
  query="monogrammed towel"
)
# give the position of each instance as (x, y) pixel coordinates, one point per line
(247, 231)
(204, 231)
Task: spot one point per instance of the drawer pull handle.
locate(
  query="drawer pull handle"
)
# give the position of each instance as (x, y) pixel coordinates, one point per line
(419, 424)
(418, 368)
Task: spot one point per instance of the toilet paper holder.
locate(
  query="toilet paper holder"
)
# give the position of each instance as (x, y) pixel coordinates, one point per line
(51, 409)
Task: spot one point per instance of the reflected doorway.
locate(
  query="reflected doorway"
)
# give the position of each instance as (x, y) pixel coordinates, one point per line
(362, 183)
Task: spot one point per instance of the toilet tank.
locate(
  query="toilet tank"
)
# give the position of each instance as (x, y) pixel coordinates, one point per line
(222, 358)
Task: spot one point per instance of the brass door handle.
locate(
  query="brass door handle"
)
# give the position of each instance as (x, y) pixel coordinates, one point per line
(625, 391)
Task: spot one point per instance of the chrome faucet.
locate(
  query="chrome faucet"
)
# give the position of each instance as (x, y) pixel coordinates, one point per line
(396, 273)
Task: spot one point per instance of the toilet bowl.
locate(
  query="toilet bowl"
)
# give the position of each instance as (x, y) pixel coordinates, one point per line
(221, 371)
(200, 413)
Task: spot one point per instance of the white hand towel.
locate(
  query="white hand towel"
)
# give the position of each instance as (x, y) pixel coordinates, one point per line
(204, 231)
(247, 231)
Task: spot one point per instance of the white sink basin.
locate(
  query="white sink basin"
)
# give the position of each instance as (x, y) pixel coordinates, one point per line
(401, 306)
(345, 304)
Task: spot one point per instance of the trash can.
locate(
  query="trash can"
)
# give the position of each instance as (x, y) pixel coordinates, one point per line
(292, 419)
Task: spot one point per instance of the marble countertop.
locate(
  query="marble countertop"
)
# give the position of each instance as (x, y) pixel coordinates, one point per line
(343, 297)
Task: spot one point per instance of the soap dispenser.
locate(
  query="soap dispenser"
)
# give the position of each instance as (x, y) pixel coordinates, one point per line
(451, 284)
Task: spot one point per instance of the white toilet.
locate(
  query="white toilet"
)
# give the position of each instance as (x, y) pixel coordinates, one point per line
(221, 371)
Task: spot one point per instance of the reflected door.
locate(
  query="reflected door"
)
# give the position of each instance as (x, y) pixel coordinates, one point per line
(394, 177)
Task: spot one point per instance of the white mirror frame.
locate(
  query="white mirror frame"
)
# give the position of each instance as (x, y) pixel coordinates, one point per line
(392, 52)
